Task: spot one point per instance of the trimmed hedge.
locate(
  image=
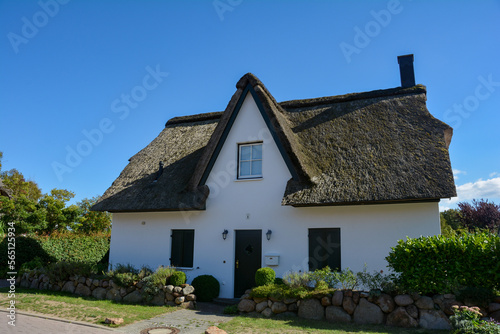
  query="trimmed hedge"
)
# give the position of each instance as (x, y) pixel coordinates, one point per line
(206, 288)
(440, 264)
(68, 247)
(177, 278)
(265, 276)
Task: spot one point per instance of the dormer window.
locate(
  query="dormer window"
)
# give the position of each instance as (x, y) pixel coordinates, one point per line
(250, 161)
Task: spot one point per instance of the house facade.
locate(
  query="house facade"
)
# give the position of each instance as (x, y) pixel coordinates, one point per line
(295, 185)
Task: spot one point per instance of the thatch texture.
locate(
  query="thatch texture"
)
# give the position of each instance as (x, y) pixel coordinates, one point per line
(373, 147)
(178, 146)
(376, 149)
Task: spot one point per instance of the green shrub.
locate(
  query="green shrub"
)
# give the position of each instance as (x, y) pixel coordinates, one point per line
(264, 276)
(72, 247)
(282, 291)
(439, 265)
(125, 268)
(126, 274)
(231, 309)
(324, 277)
(278, 281)
(177, 278)
(153, 282)
(297, 280)
(206, 288)
(347, 278)
(27, 248)
(375, 281)
(62, 271)
(162, 274)
(66, 247)
(36, 263)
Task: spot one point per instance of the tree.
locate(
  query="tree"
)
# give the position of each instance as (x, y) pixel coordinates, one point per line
(45, 216)
(15, 181)
(450, 222)
(480, 214)
(58, 217)
(92, 221)
(23, 212)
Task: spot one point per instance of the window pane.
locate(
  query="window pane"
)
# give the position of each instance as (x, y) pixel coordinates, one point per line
(257, 151)
(257, 167)
(245, 168)
(245, 152)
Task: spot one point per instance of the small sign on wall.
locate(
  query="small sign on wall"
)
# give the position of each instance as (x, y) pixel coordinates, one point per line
(272, 260)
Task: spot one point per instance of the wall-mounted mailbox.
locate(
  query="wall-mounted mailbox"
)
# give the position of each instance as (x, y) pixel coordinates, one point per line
(272, 260)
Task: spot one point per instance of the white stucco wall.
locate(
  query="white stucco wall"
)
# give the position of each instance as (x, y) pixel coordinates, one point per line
(367, 232)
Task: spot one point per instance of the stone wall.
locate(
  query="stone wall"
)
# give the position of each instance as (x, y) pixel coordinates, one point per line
(365, 308)
(170, 295)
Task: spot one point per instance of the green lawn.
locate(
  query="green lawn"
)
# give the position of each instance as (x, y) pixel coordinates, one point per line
(71, 307)
(254, 325)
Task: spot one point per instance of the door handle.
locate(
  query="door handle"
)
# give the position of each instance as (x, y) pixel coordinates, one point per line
(237, 264)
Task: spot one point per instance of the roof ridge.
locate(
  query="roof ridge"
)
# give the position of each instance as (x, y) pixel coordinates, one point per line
(195, 118)
(299, 103)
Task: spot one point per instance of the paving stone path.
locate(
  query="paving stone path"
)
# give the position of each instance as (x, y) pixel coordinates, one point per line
(187, 321)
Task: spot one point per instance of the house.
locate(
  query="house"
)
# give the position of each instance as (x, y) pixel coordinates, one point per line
(294, 185)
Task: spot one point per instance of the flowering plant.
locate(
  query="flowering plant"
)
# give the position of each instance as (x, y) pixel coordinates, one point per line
(467, 320)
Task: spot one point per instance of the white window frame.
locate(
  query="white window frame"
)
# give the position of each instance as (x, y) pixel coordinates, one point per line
(252, 176)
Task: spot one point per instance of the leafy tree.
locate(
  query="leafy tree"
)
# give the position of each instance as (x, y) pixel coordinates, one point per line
(92, 221)
(45, 216)
(15, 181)
(23, 212)
(451, 217)
(480, 214)
(450, 222)
(58, 217)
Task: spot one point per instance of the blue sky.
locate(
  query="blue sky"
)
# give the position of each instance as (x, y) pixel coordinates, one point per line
(85, 85)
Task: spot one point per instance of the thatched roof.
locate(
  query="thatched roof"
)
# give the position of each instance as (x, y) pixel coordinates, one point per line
(373, 147)
(4, 191)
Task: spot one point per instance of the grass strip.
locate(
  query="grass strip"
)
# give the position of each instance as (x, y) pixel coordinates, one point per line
(71, 307)
(258, 325)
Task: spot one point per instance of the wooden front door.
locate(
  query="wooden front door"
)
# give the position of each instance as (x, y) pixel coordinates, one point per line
(248, 258)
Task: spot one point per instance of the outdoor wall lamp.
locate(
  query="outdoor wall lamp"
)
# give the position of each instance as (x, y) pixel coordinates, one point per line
(224, 234)
(268, 234)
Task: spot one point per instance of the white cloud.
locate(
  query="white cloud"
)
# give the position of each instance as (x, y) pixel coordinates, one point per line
(494, 174)
(487, 189)
(457, 172)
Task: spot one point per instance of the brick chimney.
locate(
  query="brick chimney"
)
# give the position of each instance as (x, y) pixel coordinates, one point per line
(406, 70)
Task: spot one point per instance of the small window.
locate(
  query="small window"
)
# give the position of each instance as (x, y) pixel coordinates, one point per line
(324, 248)
(182, 248)
(249, 161)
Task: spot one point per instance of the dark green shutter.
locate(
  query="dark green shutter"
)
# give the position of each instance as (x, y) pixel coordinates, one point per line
(182, 248)
(188, 248)
(324, 248)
